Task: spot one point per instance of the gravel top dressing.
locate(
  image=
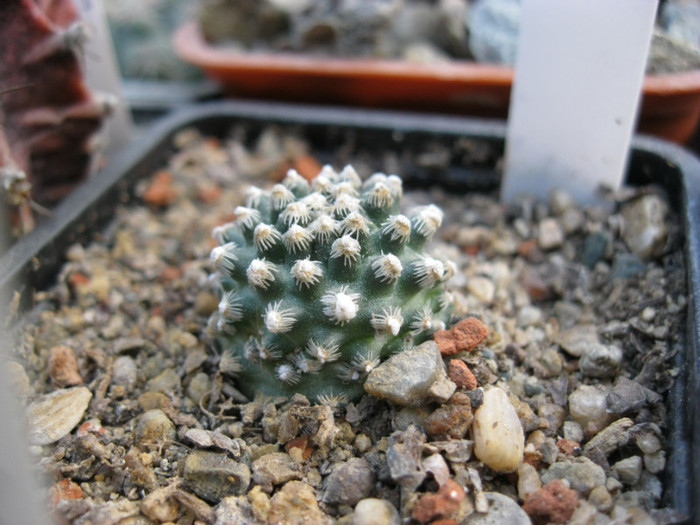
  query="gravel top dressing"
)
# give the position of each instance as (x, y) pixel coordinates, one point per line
(543, 400)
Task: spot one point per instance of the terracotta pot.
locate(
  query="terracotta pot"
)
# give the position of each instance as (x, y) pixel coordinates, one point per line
(670, 104)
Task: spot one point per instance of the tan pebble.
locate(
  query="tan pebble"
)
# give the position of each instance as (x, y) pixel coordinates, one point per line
(499, 439)
(373, 511)
(528, 481)
(54, 415)
(160, 505)
(63, 367)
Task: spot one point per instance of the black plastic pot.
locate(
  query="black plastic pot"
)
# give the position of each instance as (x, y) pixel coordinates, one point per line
(33, 262)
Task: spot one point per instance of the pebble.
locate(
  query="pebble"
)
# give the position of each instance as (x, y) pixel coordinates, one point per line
(529, 315)
(611, 437)
(600, 360)
(450, 421)
(153, 428)
(460, 375)
(63, 367)
(528, 481)
(573, 431)
(213, 475)
(274, 469)
(362, 443)
(167, 382)
(601, 499)
(455, 450)
(482, 288)
(645, 231)
(595, 248)
(295, 504)
(493, 30)
(502, 510)
(405, 378)
(465, 336)
(553, 503)
(436, 466)
(626, 266)
(54, 415)
(628, 395)
(349, 482)
(499, 439)
(160, 505)
(199, 387)
(588, 407)
(234, 510)
(656, 462)
(124, 372)
(404, 458)
(582, 474)
(576, 339)
(207, 438)
(550, 234)
(628, 470)
(373, 511)
(440, 504)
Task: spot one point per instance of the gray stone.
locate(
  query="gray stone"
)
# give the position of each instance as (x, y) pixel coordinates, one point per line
(234, 510)
(626, 266)
(124, 372)
(595, 248)
(600, 360)
(199, 386)
(588, 407)
(274, 469)
(373, 511)
(349, 482)
(575, 340)
(502, 509)
(456, 450)
(403, 458)
(493, 30)
(628, 470)
(406, 378)
(583, 475)
(213, 476)
(154, 428)
(612, 437)
(628, 395)
(168, 382)
(645, 231)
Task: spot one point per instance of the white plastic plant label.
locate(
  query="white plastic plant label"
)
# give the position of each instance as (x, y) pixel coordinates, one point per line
(578, 78)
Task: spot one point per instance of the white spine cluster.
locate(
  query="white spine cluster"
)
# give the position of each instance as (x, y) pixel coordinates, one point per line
(261, 273)
(224, 257)
(347, 248)
(422, 321)
(247, 217)
(277, 320)
(266, 236)
(387, 268)
(323, 228)
(388, 322)
(428, 272)
(230, 307)
(306, 272)
(345, 204)
(323, 353)
(355, 224)
(427, 219)
(296, 238)
(398, 228)
(340, 307)
(287, 374)
(294, 179)
(280, 196)
(296, 212)
(380, 196)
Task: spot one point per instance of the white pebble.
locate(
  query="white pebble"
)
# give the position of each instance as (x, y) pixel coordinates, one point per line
(499, 440)
(373, 511)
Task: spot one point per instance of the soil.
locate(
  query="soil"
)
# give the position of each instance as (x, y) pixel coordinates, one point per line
(127, 317)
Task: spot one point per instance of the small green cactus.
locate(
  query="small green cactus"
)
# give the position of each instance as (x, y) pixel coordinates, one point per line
(320, 282)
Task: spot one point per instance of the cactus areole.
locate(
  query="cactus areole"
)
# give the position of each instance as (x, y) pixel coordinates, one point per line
(322, 281)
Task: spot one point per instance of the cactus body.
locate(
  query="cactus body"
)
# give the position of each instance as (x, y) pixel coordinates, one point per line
(320, 282)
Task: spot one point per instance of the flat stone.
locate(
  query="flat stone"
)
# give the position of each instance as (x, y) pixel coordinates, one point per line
(404, 458)
(349, 482)
(582, 474)
(406, 378)
(63, 367)
(54, 415)
(502, 510)
(373, 511)
(499, 439)
(274, 469)
(576, 339)
(295, 504)
(213, 476)
(465, 336)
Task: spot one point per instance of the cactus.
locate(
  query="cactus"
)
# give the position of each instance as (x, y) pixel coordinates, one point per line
(321, 281)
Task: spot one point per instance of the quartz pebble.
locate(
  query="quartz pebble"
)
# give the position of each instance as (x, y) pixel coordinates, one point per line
(576, 339)
(54, 415)
(550, 234)
(528, 481)
(645, 230)
(124, 372)
(482, 288)
(406, 378)
(499, 439)
(600, 361)
(628, 470)
(373, 511)
(588, 407)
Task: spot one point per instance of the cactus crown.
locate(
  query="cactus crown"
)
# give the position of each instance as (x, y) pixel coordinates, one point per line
(322, 281)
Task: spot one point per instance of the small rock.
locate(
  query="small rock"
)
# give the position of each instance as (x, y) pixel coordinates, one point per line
(373, 511)
(656, 462)
(274, 469)
(154, 428)
(499, 439)
(482, 288)
(501, 510)
(553, 503)
(54, 415)
(455, 450)
(600, 498)
(569, 447)
(528, 481)
(160, 505)
(439, 505)
(63, 367)
(406, 378)
(588, 406)
(206, 438)
(437, 467)
(465, 336)
(628, 470)
(611, 437)
(582, 474)
(124, 372)
(573, 431)
(450, 421)
(212, 476)
(403, 458)
(199, 387)
(460, 375)
(494, 26)
(645, 231)
(628, 395)
(576, 339)
(349, 482)
(600, 360)
(234, 510)
(295, 504)
(550, 235)
(167, 382)
(626, 266)
(645, 438)
(595, 248)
